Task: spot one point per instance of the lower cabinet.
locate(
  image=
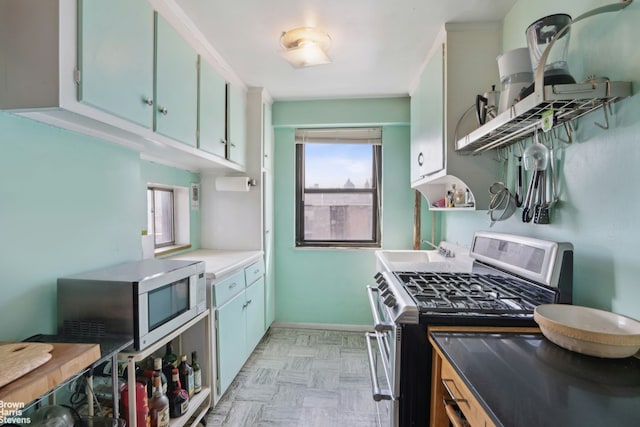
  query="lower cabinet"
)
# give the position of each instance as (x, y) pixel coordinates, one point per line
(239, 319)
(232, 343)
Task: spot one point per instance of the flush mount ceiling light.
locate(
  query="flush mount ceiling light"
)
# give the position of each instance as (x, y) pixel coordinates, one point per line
(305, 46)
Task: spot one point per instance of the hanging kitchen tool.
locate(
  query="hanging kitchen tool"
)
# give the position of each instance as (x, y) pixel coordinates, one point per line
(502, 204)
(518, 180)
(536, 159)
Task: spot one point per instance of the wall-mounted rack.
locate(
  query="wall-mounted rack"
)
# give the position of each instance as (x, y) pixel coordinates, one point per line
(566, 101)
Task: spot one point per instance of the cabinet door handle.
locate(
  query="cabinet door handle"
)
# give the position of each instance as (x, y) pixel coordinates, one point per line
(453, 396)
(163, 110)
(257, 270)
(223, 141)
(148, 101)
(420, 159)
(233, 285)
(249, 302)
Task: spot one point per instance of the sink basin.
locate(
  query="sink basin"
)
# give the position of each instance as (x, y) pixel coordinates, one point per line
(413, 256)
(407, 260)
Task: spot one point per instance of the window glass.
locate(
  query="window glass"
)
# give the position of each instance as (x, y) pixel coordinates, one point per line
(160, 216)
(337, 193)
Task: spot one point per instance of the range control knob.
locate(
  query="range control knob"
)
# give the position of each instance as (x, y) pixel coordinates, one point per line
(389, 300)
(382, 286)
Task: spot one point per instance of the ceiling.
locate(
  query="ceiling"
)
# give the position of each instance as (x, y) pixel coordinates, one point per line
(378, 46)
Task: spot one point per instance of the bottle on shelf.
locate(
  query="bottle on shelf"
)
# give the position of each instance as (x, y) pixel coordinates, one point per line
(197, 372)
(186, 375)
(158, 405)
(142, 404)
(155, 369)
(178, 397)
(169, 360)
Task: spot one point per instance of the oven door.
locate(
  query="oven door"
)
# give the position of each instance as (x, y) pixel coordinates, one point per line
(383, 351)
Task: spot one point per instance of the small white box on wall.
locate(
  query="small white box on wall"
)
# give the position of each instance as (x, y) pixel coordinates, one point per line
(195, 196)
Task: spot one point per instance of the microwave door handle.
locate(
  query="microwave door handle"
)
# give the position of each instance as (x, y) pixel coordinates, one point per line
(378, 325)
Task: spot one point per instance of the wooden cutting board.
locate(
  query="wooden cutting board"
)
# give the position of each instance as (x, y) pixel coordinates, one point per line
(67, 360)
(18, 359)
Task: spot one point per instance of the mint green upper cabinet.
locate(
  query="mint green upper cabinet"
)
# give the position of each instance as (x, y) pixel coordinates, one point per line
(211, 111)
(427, 120)
(176, 84)
(115, 57)
(237, 122)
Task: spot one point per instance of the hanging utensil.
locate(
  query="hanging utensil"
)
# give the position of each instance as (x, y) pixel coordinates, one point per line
(519, 186)
(536, 158)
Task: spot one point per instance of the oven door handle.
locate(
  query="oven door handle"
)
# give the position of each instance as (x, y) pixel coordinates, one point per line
(378, 324)
(378, 394)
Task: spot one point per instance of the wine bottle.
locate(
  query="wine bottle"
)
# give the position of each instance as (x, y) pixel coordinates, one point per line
(158, 405)
(178, 398)
(169, 361)
(197, 372)
(186, 375)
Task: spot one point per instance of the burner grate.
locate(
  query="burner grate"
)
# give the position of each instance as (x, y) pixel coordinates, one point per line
(465, 293)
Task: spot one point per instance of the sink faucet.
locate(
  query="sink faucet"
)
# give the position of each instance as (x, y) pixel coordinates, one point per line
(447, 253)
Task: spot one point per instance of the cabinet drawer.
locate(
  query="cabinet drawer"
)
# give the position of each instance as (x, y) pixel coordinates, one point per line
(254, 271)
(227, 288)
(461, 394)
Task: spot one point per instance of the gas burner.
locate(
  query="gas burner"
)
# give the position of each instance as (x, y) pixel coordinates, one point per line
(473, 293)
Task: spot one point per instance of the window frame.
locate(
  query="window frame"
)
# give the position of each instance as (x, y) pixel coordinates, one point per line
(154, 188)
(375, 190)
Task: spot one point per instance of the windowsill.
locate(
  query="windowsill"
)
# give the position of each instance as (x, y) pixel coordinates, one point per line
(166, 250)
(337, 248)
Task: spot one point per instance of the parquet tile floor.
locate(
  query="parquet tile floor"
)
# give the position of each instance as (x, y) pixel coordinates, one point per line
(301, 378)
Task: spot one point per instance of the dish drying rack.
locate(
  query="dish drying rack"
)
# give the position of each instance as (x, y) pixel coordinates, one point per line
(558, 104)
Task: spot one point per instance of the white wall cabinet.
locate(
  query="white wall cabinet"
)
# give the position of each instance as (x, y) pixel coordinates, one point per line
(89, 68)
(427, 119)
(461, 65)
(238, 304)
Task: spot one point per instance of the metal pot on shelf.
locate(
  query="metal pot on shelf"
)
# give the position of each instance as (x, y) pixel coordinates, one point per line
(486, 105)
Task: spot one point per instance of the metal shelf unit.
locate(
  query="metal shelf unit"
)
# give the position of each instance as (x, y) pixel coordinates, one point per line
(200, 403)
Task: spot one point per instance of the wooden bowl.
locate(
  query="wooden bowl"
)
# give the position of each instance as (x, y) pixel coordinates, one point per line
(588, 330)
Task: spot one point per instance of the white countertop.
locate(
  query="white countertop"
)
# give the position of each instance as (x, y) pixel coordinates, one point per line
(219, 262)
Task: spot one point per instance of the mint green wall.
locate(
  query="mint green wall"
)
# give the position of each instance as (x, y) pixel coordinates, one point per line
(68, 203)
(328, 285)
(599, 172)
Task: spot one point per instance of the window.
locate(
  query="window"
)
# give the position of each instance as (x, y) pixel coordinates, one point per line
(160, 216)
(338, 174)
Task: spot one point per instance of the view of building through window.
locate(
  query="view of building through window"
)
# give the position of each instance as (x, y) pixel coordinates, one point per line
(340, 201)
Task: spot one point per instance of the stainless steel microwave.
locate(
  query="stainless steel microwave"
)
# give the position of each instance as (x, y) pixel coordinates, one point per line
(144, 300)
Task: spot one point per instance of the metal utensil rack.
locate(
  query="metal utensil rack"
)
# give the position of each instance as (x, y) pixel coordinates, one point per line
(567, 102)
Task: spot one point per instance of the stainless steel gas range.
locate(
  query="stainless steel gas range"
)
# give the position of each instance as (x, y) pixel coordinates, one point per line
(510, 276)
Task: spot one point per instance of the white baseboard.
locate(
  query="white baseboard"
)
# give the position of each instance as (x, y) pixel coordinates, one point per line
(323, 326)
